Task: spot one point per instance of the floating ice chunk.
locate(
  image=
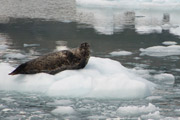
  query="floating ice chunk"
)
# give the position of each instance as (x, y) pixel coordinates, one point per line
(152, 116)
(31, 45)
(161, 51)
(14, 56)
(120, 53)
(136, 110)
(148, 29)
(63, 110)
(177, 70)
(137, 58)
(177, 110)
(3, 47)
(154, 97)
(101, 78)
(2, 106)
(8, 99)
(59, 48)
(175, 31)
(165, 77)
(96, 117)
(7, 110)
(169, 43)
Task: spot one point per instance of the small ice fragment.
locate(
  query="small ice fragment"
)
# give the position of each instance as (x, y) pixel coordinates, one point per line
(7, 110)
(161, 51)
(152, 116)
(31, 45)
(3, 47)
(169, 43)
(120, 53)
(148, 29)
(14, 56)
(165, 77)
(63, 110)
(136, 110)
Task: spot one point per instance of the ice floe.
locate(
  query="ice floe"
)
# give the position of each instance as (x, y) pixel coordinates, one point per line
(63, 110)
(31, 45)
(137, 110)
(169, 43)
(101, 78)
(14, 56)
(165, 78)
(161, 51)
(148, 29)
(3, 47)
(120, 53)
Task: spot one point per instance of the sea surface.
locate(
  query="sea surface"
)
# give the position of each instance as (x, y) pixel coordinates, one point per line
(143, 39)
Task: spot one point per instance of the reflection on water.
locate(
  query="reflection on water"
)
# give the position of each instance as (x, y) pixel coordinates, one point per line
(29, 34)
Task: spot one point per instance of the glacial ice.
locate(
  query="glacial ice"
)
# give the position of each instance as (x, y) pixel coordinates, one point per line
(63, 110)
(120, 53)
(136, 110)
(14, 56)
(146, 16)
(161, 51)
(101, 78)
(165, 78)
(169, 43)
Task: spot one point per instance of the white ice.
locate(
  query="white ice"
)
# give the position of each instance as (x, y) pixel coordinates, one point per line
(63, 110)
(14, 56)
(101, 78)
(3, 47)
(169, 43)
(137, 110)
(31, 45)
(165, 78)
(148, 29)
(146, 16)
(120, 53)
(161, 51)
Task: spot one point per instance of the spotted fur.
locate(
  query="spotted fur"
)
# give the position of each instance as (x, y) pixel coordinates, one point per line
(53, 63)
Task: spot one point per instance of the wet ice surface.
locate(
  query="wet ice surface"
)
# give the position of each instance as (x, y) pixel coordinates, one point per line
(144, 34)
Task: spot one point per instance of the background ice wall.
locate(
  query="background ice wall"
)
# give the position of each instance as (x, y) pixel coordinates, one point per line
(145, 16)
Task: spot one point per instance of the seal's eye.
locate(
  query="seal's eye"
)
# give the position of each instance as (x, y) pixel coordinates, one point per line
(84, 45)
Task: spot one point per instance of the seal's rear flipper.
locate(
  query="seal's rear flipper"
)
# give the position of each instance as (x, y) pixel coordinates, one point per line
(12, 73)
(18, 70)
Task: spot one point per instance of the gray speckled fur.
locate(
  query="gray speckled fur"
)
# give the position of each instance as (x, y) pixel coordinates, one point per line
(53, 63)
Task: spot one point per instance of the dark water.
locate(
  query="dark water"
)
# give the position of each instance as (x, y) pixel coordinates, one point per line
(45, 36)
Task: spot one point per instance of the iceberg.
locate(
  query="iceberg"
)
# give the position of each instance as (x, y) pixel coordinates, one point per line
(101, 78)
(133, 4)
(161, 51)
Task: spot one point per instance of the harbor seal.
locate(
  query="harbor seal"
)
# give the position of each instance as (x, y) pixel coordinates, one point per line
(55, 62)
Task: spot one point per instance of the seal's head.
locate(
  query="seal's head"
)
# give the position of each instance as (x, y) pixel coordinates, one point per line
(84, 49)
